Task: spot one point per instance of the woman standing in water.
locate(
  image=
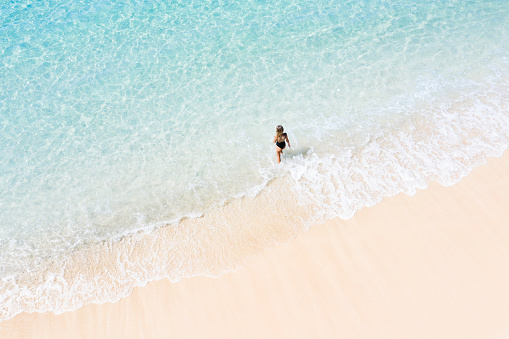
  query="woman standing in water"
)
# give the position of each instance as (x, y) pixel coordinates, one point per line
(280, 139)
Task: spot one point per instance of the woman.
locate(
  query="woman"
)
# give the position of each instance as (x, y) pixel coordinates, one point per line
(280, 139)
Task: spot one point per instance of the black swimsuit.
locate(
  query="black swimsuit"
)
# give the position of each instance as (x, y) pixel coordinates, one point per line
(281, 144)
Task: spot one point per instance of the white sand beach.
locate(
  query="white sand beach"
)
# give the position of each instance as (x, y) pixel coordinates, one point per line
(433, 265)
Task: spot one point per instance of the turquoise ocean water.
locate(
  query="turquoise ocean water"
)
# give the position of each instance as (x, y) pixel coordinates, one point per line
(119, 118)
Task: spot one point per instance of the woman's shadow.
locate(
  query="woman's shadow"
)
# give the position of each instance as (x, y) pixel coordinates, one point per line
(295, 152)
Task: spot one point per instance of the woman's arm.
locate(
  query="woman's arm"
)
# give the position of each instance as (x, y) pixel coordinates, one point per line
(275, 138)
(288, 140)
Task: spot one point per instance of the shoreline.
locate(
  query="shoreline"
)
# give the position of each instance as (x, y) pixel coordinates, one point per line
(311, 189)
(429, 265)
(220, 241)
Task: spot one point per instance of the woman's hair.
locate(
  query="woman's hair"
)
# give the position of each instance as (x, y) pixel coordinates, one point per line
(279, 131)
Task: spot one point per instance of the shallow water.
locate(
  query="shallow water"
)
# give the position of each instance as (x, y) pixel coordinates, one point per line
(116, 118)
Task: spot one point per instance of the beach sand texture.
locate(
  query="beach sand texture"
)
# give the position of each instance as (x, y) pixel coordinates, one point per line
(433, 265)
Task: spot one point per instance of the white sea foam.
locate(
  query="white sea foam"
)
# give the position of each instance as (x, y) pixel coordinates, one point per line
(442, 142)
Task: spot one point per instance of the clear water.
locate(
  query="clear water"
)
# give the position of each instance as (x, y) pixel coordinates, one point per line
(116, 118)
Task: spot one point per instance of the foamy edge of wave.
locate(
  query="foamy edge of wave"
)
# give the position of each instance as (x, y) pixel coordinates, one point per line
(441, 147)
(110, 270)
